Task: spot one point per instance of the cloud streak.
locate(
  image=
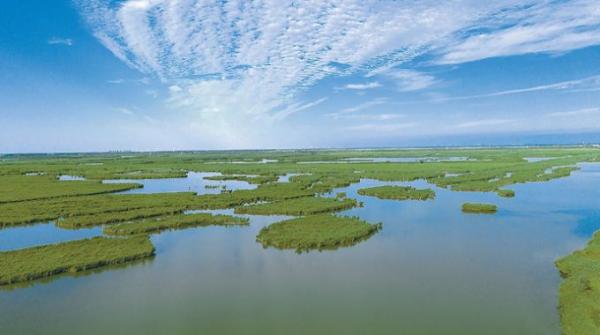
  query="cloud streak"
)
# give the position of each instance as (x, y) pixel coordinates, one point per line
(61, 41)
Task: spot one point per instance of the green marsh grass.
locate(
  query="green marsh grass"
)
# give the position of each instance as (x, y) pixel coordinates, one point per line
(579, 293)
(298, 206)
(69, 257)
(156, 225)
(398, 193)
(316, 232)
(470, 207)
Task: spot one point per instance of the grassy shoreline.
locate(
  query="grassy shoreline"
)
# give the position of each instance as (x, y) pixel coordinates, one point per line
(70, 257)
(158, 225)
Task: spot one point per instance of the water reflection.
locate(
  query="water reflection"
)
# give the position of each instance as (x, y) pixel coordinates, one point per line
(20, 237)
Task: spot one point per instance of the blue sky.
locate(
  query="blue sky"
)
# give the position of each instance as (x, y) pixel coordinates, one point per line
(160, 75)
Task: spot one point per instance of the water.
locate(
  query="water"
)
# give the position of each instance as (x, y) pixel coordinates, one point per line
(194, 182)
(40, 234)
(406, 159)
(431, 270)
(70, 178)
(537, 159)
(286, 177)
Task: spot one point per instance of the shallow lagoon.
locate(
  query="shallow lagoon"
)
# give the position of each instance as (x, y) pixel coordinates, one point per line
(193, 182)
(431, 270)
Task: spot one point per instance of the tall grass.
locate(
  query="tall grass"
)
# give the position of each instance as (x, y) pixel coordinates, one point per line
(45, 261)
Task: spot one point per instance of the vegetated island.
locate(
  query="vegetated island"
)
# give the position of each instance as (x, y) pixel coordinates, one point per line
(320, 232)
(470, 207)
(155, 225)
(579, 294)
(69, 257)
(398, 193)
(298, 206)
(506, 193)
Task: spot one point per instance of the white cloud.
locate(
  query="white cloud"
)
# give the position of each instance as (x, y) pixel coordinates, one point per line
(358, 108)
(536, 26)
(116, 81)
(409, 80)
(365, 86)
(60, 41)
(577, 85)
(577, 112)
(373, 117)
(382, 127)
(297, 107)
(244, 62)
(484, 123)
(124, 110)
(275, 48)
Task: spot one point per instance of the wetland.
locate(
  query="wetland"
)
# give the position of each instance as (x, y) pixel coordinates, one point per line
(419, 241)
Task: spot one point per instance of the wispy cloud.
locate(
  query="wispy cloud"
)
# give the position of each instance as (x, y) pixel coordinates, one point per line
(368, 105)
(116, 81)
(484, 123)
(576, 85)
(577, 112)
(373, 117)
(535, 26)
(365, 86)
(60, 41)
(297, 107)
(382, 127)
(124, 110)
(410, 80)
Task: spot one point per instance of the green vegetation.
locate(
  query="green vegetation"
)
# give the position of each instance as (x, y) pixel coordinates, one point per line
(45, 261)
(398, 193)
(299, 206)
(21, 187)
(173, 222)
(30, 192)
(479, 208)
(579, 295)
(82, 221)
(316, 232)
(506, 193)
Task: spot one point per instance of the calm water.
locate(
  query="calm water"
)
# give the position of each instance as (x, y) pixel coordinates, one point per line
(431, 270)
(194, 182)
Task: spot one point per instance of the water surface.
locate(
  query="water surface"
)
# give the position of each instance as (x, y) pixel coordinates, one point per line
(193, 182)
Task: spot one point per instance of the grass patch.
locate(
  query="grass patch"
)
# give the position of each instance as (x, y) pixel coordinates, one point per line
(316, 232)
(506, 193)
(84, 221)
(470, 207)
(22, 188)
(579, 293)
(173, 222)
(69, 257)
(398, 193)
(298, 206)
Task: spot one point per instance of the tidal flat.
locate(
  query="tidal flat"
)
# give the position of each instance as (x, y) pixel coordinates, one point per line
(427, 260)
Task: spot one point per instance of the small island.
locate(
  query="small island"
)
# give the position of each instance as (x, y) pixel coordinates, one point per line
(316, 232)
(398, 193)
(470, 207)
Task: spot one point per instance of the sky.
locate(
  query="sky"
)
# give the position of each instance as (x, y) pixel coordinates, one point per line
(102, 75)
